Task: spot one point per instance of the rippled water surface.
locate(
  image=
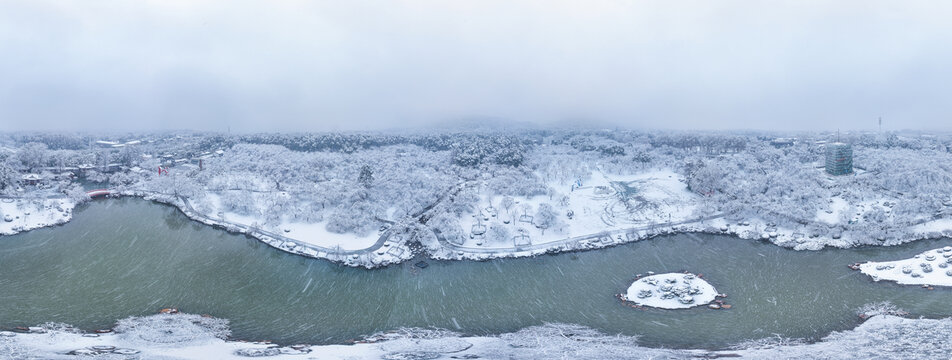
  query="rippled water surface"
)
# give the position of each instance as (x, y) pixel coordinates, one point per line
(126, 257)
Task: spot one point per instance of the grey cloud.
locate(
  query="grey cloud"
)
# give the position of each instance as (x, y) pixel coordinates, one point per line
(284, 66)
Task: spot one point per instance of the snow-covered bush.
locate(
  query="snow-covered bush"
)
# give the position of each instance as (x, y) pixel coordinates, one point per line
(77, 194)
(546, 217)
(499, 234)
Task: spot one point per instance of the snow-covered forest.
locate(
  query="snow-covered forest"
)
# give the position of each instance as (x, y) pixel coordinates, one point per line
(509, 190)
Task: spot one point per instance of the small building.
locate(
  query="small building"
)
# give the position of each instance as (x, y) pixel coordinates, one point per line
(83, 169)
(66, 175)
(111, 168)
(839, 158)
(783, 142)
(106, 144)
(32, 179)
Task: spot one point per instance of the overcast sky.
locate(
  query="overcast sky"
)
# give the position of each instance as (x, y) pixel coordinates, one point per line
(345, 65)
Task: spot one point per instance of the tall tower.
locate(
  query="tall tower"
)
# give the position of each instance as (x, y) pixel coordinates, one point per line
(839, 158)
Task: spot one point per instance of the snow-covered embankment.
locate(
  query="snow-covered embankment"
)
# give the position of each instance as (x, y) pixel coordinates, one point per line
(184, 336)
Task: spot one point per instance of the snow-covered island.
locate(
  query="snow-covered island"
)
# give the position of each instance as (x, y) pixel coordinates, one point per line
(362, 198)
(933, 267)
(671, 291)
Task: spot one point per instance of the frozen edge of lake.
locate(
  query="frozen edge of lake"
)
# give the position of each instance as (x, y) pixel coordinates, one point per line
(187, 336)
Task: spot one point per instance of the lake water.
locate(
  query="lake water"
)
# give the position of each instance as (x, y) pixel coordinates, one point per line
(124, 257)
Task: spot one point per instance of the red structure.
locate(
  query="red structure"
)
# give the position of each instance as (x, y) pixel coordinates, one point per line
(98, 192)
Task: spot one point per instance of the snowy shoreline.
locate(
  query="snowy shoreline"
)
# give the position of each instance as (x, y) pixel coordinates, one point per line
(362, 199)
(367, 258)
(188, 336)
(786, 238)
(396, 250)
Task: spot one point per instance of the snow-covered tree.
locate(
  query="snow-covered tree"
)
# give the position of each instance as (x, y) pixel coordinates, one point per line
(545, 217)
(33, 155)
(499, 234)
(507, 203)
(366, 177)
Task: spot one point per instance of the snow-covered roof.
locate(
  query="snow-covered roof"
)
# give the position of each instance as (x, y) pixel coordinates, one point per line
(32, 176)
(104, 142)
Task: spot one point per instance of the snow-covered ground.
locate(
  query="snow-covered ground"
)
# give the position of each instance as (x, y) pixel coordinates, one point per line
(934, 227)
(607, 210)
(391, 251)
(336, 190)
(183, 336)
(17, 215)
(166, 336)
(933, 267)
(604, 202)
(831, 215)
(671, 291)
(315, 233)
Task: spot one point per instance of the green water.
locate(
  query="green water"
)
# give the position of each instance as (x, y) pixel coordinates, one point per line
(125, 257)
